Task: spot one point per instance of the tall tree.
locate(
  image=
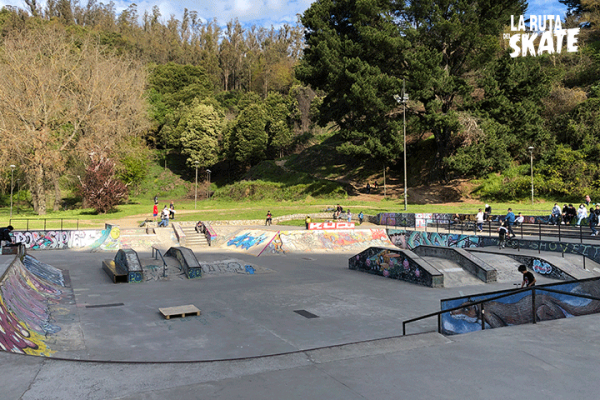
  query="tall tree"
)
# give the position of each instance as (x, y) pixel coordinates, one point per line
(61, 98)
(201, 127)
(354, 53)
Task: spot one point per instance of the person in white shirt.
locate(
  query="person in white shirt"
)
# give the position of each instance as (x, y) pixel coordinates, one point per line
(165, 217)
(479, 219)
(520, 219)
(581, 214)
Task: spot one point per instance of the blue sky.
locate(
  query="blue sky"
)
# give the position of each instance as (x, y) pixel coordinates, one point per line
(259, 12)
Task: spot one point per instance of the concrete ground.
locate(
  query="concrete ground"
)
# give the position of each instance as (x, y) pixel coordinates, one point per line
(249, 343)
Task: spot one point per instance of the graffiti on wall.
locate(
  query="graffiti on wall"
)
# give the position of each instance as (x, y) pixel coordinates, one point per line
(411, 239)
(517, 309)
(106, 239)
(390, 263)
(324, 241)
(397, 219)
(25, 320)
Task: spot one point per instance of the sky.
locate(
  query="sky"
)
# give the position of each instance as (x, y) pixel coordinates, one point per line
(265, 13)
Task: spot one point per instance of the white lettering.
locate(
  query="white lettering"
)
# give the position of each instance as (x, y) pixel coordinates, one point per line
(514, 44)
(546, 43)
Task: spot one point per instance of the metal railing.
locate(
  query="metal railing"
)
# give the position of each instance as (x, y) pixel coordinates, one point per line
(155, 253)
(45, 220)
(528, 229)
(481, 314)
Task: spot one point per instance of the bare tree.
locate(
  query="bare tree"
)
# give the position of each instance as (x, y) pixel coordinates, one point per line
(62, 98)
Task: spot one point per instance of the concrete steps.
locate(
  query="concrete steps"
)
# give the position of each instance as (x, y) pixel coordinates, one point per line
(193, 238)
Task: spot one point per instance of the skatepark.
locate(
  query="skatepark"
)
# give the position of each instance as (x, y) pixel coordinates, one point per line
(283, 314)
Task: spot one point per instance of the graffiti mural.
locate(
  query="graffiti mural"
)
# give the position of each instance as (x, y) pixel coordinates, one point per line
(252, 241)
(390, 263)
(406, 220)
(325, 241)
(25, 297)
(411, 239)
(517, 309)
(106, 239)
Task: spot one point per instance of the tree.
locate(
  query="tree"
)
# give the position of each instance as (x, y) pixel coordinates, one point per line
(62, 98)
(99, 187)
(201, 127)
(278, 129)
(449, 40)
(354, 53)
(248, 138)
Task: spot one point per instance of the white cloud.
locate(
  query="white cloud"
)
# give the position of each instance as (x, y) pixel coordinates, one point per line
(248, 12)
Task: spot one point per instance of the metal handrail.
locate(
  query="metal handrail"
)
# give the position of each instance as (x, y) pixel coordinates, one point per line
(156, 251)
(10, 221)
(516, 291)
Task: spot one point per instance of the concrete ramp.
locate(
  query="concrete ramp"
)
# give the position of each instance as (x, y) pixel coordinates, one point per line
(506, 267)
(250, 241)
(28, 295)
(454, 274)
(324, 241)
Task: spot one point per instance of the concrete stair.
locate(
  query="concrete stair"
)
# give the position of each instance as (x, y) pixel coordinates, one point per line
(193, 238)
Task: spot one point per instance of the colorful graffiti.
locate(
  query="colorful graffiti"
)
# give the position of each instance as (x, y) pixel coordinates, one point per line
(411, 239)
(106, 239)
(392, 264)
(325, 241)
(25, 319)
(519, 308)
(252, 241)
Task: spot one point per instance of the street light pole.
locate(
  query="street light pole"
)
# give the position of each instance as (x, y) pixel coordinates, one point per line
(196, 192)
(12, 170)
(208, 187)
(530, 148)
(404, 100)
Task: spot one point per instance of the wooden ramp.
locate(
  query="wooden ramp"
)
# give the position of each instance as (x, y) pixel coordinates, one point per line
(179, 311)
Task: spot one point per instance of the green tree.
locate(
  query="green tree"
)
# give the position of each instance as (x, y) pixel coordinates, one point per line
(354, 54)
(278, 129)
(450, 39)
(179, 84)
(248, 137)
(201, 126)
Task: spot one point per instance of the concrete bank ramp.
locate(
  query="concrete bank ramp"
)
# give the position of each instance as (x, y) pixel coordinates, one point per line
(252, 241)
(323, 241)
(454, 274)
(506, 267)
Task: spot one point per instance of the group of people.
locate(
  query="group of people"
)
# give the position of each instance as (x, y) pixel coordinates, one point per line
(166, 213)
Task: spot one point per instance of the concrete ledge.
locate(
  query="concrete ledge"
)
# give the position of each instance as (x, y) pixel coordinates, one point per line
(179, 234)
(467, 261)
(403, 265)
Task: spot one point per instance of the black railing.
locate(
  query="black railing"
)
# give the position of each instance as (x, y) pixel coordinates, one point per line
(533, 290)
(155, 254)
(540, 230)
(45, 220)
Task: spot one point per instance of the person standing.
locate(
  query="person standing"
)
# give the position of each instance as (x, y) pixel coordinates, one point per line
(269, 218)
(172, 210)
(581, 214)
(479, 219)
(594, 218)
(510, 220)
(361, 216)
(368, 188)
(307, 221)
(349, 214)
(528, 278)
(156, 199)
(155, 212)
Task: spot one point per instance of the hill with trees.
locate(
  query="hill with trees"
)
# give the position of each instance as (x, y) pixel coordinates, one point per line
(83, 86)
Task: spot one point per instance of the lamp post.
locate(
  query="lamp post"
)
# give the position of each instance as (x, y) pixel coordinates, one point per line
(196, 192)
(12, 174)
(208, 187)
(530, 148)
(404, 100)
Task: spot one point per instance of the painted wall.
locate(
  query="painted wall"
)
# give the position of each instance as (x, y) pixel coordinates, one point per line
(105, 239)
(390, 264)
(26, 290)
(517, 309)
(325, 241)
